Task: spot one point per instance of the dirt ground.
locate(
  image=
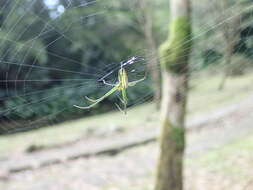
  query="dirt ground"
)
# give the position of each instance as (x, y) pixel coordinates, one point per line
(134, 168)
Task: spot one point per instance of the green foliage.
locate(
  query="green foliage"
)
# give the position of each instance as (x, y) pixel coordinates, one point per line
(212, 20)
(173, 51)
(17, 38)
(37, 43)
(210, 56)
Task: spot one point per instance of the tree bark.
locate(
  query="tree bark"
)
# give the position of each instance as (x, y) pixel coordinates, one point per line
(227, 63)
(231, 36)
(147, 26)
(174, 58)
(231, 39)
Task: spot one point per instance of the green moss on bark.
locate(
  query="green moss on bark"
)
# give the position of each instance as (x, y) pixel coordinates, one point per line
(176, 134)
(175, 51)
(169, 174)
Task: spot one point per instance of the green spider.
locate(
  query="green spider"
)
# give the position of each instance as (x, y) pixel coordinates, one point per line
(120, 86)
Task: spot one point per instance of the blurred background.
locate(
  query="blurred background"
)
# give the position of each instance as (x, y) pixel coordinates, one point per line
(53, 53)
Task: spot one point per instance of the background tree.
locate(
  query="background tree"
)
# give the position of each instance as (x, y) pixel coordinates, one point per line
(230, 33)
(225, 44)
(145, 18)
(63, 35)
(174, 58)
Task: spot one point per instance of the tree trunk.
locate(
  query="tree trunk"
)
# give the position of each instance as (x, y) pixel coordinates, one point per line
(147, 27)
(174, 58)
(231, 36)
(153, 64)
(227, 60)
(231, 40)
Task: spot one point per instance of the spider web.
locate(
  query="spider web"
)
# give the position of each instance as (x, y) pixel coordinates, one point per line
(18, 95)
(208, 36)
(216, 26)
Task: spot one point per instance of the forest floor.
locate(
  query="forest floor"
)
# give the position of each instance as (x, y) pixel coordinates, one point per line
(218, 156)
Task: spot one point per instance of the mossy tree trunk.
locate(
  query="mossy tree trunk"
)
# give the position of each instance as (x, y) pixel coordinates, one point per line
(174, 58)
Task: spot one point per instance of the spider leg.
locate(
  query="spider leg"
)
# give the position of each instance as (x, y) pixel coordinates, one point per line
(121, 100)
(119, 108)
(118, 95)
(109, 84)
(123, 103)
(90, 99)
(81, 107)
(124, 97)
(133, 83)
(95, 102)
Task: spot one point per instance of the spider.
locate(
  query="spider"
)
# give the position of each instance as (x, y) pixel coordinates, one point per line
(120, 86)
